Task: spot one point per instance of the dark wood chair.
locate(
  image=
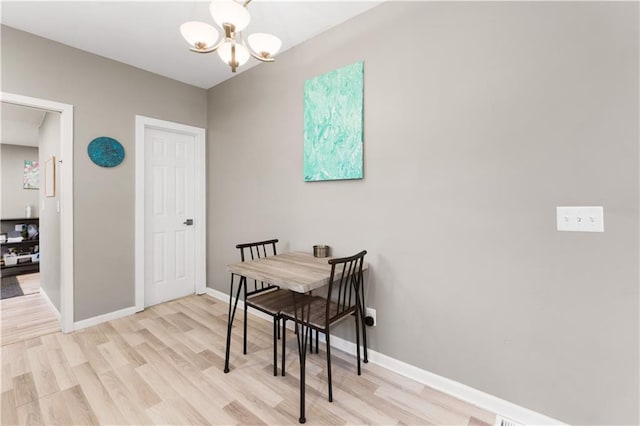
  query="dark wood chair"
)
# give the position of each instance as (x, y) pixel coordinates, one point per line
(344, 297)
(265, 297)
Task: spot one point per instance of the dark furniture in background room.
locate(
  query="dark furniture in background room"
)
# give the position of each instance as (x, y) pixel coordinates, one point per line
(19, 257)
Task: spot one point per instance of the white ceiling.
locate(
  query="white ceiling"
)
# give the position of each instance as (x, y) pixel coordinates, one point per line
(20, 125)
(146, 34)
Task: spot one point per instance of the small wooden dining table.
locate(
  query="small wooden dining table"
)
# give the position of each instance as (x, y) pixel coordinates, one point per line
(299, 272)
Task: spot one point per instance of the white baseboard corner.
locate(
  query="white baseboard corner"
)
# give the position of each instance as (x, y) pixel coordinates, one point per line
(50, 303)
(458, 390)
(217, 294)
(225, 298)
(89, 322)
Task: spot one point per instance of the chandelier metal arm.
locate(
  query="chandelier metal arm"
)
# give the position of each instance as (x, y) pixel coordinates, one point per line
(233, 63)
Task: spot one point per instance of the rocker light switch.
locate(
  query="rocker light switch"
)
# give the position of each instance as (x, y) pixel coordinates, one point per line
(580, 219)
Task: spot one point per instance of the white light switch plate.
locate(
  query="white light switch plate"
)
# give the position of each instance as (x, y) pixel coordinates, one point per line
(580, 219)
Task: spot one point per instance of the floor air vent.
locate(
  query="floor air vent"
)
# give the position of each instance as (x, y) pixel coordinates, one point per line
(502, 421)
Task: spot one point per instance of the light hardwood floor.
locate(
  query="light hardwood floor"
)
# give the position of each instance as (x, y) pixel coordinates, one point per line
(30, 283)
(164, 366)
(25, 317)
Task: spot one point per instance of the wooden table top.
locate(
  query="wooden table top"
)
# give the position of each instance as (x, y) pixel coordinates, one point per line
(297, 271)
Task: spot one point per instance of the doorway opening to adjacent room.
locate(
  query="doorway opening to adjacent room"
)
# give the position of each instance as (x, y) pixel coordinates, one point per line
(37, 259)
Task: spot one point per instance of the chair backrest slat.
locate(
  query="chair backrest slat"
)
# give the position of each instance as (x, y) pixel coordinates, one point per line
(254, 253)
(345, 284)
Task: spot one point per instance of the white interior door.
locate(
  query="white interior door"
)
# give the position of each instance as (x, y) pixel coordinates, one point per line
(169, 209)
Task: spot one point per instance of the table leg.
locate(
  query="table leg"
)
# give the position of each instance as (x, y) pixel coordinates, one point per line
(232, 314)
(302, 328)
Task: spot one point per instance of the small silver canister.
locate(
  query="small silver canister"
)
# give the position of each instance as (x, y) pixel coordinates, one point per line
(321, 251)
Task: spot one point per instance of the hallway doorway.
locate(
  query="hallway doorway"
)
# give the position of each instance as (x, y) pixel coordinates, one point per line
(50, 251)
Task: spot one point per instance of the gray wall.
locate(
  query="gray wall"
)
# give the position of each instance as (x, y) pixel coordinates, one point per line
(14, 197)
(49, 144)
(106, 96)
(480, 119)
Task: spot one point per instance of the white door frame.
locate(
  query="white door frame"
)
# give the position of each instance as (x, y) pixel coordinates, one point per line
(66, 198)
(200, 194)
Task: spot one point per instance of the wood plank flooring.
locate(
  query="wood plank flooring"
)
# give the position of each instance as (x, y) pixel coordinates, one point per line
(29, 316)
(30, 283)
(164, 366)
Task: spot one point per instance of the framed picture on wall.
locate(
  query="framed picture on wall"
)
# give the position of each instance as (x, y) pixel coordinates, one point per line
(50, 177)
(334, 125)
(31, 179)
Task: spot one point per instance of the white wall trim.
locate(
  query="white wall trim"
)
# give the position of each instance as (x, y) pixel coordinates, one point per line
(225, 298)
(66, 198)
(90, 322)
(46, 298)
(200, 194)
(216, 294)
(461, 391)
(458, 390)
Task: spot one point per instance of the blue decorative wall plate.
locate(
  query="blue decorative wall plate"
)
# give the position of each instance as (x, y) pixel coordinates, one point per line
(106, 152)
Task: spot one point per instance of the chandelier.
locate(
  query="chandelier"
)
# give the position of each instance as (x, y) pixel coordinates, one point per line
(232, 17)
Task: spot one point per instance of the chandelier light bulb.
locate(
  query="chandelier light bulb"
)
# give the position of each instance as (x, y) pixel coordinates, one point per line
(242, 54)
(265, 45)
(230, 12)
(199, 35)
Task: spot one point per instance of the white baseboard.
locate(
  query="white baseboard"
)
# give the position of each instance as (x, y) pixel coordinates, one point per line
(225, 298)
(50, 303)
(458, 390)
(79, 325)
(218, 294)
(461, 391)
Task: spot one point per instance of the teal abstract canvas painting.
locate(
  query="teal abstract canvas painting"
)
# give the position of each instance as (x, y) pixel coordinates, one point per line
(333, 124)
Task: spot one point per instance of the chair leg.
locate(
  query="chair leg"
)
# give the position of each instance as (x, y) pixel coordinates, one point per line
(364, 340)
(244, 343)
(276, 330)
(317, 332)
(358, 341)
(364, 331)
(329, 366)
(361, 309)
(284, 345)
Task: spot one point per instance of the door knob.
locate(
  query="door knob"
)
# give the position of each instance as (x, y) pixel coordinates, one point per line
(188, 222)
